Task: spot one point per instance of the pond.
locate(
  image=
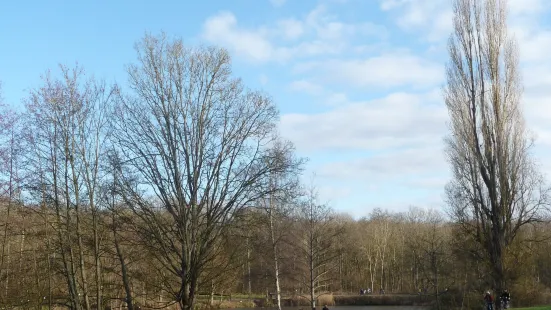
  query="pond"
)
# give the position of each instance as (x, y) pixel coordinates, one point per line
(350, 308)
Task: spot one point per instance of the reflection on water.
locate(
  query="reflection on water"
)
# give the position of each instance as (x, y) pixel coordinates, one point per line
(351, 308)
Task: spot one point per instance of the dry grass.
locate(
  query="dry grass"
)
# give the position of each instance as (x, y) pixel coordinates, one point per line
(304, 300)
(225, 304)
(326, 299)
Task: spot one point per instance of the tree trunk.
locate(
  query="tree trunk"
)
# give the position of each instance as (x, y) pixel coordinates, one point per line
(49, 275)
(435, 265)
(7, 271)
(6, 248)
(249, 290)
(37, 275)
(211, 293)
(82, 265)
(81, 261)
(187, 300)
(275, 253)
(99, 297)
(7, 220)
(69, 265)
(498, 244)
(124, 272)
(312, 276)
(21, 246)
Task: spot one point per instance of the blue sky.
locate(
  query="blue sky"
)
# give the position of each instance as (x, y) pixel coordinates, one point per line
(357, 81)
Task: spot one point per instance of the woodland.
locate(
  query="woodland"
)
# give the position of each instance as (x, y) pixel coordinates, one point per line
(176, 190)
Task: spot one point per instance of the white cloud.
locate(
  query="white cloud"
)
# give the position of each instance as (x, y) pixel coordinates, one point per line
(388, 70)
(432, 182)
(534, 47)
(432, 17)
(392, 4)
(321, 33)
(290, 28)
(536, 106)
(278, 3)
(529, 7)
(331, 193)
(223, 28)
(263, 79)
(307, 87)
(398, 120)
(256, 45)
(336, 99)
(327, 26)
(393, 179)
(392, 165)
(319, 93)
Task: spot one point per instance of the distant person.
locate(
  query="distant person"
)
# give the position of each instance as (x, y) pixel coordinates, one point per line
(325, 308)
(505, 298)
(489, 301)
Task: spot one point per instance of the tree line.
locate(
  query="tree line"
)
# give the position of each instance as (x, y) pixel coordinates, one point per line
(413, 253)
(176, 187)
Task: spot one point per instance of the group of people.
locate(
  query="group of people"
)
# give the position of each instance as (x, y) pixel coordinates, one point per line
(324, 308)
(365, 291)
(504, 298)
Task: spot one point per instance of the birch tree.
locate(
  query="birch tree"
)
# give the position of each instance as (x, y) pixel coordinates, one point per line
(202, 142)
(496, 187)
(284, 190)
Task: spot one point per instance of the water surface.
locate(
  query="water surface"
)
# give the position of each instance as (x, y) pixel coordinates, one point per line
(348, 308)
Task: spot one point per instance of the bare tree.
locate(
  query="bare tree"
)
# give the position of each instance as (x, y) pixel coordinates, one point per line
(110, 197)
(431, 241)
(317, 236)
(202, 142)
(92, 133)
(496, 188)
(51, 114)
(380, 237)
(65, 120)
(10, 178)
(278, 207)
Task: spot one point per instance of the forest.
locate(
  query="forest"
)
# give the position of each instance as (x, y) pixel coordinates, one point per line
(410, 253)
(176, 190)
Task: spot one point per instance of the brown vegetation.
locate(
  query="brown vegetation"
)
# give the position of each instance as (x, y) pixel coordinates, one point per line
(30, 278)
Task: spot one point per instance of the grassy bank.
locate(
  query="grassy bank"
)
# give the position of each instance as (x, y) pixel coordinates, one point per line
(328, 299)
(244, 301)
